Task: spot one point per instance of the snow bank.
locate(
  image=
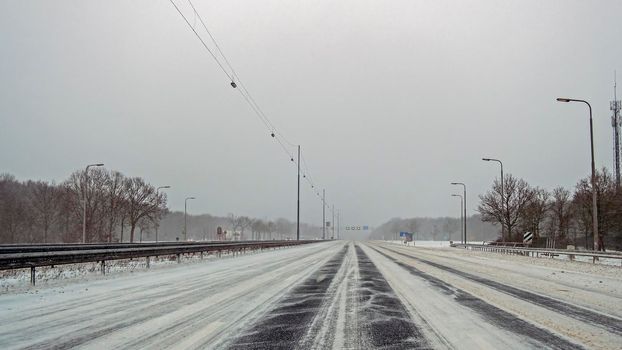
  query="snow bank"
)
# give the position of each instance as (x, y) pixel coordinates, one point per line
(19, 279)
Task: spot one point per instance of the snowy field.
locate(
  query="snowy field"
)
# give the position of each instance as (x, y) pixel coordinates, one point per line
(330, 295)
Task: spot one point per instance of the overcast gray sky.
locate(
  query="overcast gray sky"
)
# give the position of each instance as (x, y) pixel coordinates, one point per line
(390, 100)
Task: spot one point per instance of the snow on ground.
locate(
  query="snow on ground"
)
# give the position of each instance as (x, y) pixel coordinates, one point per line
(59, 275)
(427, 244)
(595, 286)
(330, 295)
(179, 307)
(447, 244)
(556, 263)
(439, 309)
(511, 288)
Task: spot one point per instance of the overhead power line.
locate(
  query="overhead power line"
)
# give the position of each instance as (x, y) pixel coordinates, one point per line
(235, 80)
(201, 40)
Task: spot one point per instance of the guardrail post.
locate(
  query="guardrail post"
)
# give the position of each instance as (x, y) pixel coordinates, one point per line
(201, 255)
(32, 275)
(178, 258)
(103, 267)
(147, 262)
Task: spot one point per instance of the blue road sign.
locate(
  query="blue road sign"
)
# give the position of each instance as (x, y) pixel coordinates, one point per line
(407, 235)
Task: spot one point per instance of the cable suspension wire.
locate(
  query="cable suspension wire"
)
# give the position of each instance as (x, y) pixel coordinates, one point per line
(306, 167)
(234, 79)
(201, 40)
(287, 141)
(249, 99)
(233, 72)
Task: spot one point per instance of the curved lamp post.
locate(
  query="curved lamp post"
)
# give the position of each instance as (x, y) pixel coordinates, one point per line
(158, 224)
(502, 193)
(465, 204)
(461, 214)
(594, 195)
(86, 186)
(186, 217)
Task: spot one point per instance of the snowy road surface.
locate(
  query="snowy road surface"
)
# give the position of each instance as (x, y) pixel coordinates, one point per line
(332, 295)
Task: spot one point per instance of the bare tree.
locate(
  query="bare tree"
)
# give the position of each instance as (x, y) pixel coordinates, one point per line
(244, 223)
(38, 211)
(607, 202)
(412, 226)
(115, 200)
(239, 224)
(560, 213)
(271, 228)
(257, 226)
(517, 195)
(141, 202)
(44, 201)
(95, 202)
(535, 212)
(12, 209)
(284, 228)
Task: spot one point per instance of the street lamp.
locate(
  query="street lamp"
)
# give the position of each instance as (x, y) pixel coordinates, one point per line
(186, 218)
(333, 223)
(464, 210)
(324, 214)
(298, 200)
(594, 196)
(158, 223)
(338, 223)
(502, 194)
(86, 186)
(461, 213)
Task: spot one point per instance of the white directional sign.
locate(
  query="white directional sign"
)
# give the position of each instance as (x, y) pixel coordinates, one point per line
(357, 228)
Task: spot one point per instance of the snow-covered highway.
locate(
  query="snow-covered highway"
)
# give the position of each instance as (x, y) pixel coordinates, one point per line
(330, 295)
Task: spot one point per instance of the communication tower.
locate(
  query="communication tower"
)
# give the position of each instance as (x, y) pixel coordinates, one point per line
(616, 123)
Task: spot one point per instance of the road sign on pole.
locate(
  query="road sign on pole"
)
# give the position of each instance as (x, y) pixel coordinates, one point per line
(407, 236)
(527, 237)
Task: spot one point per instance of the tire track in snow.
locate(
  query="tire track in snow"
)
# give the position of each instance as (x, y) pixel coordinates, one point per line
(538, 337)
(384, 322)
(327, 330)
(191, 292)
(607, 322)
(189, 332)
(93, 301)
(285, 326)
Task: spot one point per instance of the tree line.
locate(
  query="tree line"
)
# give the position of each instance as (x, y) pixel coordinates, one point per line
(237, 227)
(562, 216)
(118, 209)
(436, 229)
(45, 212)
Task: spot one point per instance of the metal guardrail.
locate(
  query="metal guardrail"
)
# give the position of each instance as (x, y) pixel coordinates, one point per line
(537, 252)
(48, 247)
(25, 256)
